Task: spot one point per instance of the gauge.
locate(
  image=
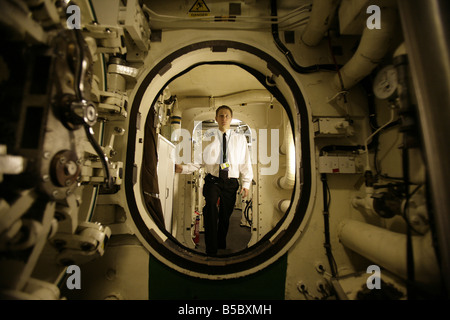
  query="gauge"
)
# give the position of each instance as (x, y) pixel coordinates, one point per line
(385, 83)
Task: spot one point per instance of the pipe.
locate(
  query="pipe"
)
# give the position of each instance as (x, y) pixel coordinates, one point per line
(326, 225)
(245, 97)
(288, 180)
(373, 47)
(366, 202)
(284, 144)
(175, 121)
(388, 249)
(283, 205)
(319, 21)
(235, 99)
(425, 26)
(366, 142)
(280, 45)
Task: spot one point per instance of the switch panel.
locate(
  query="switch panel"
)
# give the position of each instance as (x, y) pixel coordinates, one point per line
(340, 164)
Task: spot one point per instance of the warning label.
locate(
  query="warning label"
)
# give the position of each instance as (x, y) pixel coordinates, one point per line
(199, 9)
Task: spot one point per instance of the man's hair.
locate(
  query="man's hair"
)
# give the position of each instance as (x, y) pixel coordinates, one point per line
(224, 107)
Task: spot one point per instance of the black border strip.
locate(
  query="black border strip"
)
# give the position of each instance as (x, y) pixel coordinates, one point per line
(264, 249)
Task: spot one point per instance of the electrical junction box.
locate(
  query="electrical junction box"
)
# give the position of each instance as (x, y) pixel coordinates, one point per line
(341, 164)
(326, 127)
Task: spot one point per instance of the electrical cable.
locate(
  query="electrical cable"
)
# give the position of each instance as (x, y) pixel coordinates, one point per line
(375, 160)
(327, 243)
(101, 155)
(248, 207)
(259, 19)
(341, 81)
(409, 246)
(407, 127)
(79, 87)
(374, 133)
(327, 201)
(286, 22)
(87, 126)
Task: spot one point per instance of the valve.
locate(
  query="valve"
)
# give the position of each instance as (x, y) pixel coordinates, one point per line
(76, 113)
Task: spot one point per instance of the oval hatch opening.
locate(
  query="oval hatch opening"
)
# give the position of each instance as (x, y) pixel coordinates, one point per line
(163, 241)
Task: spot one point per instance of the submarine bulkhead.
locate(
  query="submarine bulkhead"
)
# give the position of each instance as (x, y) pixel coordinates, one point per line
(344, 107)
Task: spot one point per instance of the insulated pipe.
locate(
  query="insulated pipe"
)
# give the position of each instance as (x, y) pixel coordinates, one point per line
(288, 180)
(284, 143)
(192, 102)
(175, 119)
(283, 205)
(388, 249)
(249, 96)
(235, 99)
(319, 21)
(373, 47)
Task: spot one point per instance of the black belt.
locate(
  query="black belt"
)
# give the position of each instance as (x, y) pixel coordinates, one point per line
(212, 178)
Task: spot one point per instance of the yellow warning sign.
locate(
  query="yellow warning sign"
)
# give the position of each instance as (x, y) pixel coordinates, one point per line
(199, 9)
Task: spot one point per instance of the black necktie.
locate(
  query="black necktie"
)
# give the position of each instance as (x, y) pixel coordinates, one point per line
(223, 173)
(224, 148)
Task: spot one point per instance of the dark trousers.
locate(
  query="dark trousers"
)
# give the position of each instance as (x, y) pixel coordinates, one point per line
(216, 220)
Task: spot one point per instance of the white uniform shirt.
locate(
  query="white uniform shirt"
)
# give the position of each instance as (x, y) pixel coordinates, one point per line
(238, 156)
